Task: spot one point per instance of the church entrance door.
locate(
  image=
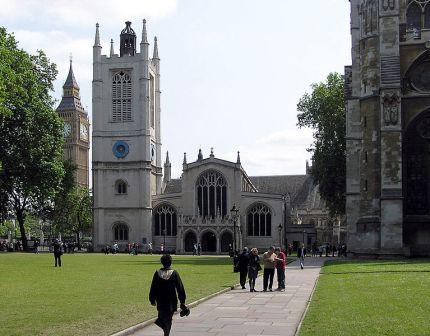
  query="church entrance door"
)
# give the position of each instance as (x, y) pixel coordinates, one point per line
(189, 241)
(208, 242)
(416, 184)
(226, 241)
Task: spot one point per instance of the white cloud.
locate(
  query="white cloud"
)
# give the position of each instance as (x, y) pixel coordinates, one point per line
(278, 153)
(286, 137)
(81, 12)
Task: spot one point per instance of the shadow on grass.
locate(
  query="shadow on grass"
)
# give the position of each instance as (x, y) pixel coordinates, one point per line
(182, 261)
(376, 272)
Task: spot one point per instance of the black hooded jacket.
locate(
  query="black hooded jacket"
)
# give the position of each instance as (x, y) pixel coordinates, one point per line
(166, 283)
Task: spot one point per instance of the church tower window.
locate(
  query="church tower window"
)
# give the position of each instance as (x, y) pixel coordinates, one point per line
(121, 96)
(259, 221)
(120, 231)
(211, 195)
(121, 187)
(165, 218)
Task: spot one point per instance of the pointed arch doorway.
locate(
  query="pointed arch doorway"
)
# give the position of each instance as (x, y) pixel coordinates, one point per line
(189, 241)
(208, 242)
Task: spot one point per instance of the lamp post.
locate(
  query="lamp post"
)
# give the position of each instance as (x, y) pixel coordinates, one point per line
(304, 231)
(280, 235)
(234, 214)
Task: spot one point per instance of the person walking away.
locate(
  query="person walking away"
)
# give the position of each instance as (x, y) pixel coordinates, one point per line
(280, 268)
(194, 249)
(301, 254)
(57, 252)
(199, 249)
(149, 248)
(165, 290)
(243, 266)
(253, 268)
(269, 268)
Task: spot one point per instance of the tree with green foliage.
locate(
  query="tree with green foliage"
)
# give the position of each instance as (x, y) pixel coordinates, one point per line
(71, 210)
(82, 216)
(324, 111)
(30, 132)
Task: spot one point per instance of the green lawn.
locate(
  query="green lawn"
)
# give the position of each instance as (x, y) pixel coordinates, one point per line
(371, 298)
(93, 294)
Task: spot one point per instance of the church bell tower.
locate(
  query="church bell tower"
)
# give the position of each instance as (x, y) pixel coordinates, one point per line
(127, 169)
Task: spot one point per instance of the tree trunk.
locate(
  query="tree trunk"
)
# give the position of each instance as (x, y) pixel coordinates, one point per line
(78, 240)
(21, 219)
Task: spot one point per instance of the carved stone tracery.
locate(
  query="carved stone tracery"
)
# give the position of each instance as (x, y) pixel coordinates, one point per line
(391, 108)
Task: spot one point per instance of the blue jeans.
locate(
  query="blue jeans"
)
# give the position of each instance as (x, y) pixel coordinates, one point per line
(281, 278)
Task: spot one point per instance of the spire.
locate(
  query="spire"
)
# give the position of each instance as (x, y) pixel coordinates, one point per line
(71, 100)
(200, 156)
(111, 48)
(167, 170)
(185, 159)
(71, 82)
(144, 34)
(155, 55)
(238, 157)
(212, 153)
(97, 38)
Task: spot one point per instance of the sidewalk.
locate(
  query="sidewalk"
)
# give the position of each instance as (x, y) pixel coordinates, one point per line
(242, 313)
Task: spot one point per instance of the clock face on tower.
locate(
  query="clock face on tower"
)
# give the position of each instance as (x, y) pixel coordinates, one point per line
(84, 132)
(67, 130)
(120, 149)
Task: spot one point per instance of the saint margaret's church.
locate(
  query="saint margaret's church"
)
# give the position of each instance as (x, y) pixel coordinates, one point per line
(135, 197)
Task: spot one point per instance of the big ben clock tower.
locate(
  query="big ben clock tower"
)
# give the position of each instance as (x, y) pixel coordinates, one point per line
(76, 129)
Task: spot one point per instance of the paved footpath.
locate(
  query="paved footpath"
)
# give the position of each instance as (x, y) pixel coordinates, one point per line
(241, 313)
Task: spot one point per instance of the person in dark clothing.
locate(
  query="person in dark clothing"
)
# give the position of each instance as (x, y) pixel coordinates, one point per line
(166, 282)
(57, 252)
(242, 264)
(301, 254)
(253, 268)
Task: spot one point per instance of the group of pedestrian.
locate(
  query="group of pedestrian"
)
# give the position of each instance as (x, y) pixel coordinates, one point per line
(114, 249)
(197, 249)
(133, 249)
(248, 265)
(6, 246)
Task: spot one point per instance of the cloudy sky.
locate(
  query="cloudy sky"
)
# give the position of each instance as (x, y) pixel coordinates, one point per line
(232, 71)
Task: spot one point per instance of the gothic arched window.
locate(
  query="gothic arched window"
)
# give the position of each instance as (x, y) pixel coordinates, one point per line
(413, 16)
(121, 96)
(427, 16)
(165, 218)
(121, 187)
(259, 220)
(211, 194)
(120, 232)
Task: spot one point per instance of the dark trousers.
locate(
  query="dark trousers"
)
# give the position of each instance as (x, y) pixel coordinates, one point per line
(281, 278)
(57, 257)
(164, 321)
(268, 277)
(243, 274)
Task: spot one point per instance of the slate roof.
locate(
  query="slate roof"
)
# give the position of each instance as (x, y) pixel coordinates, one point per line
(173, 186)
(297, 186)
(70, 103)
